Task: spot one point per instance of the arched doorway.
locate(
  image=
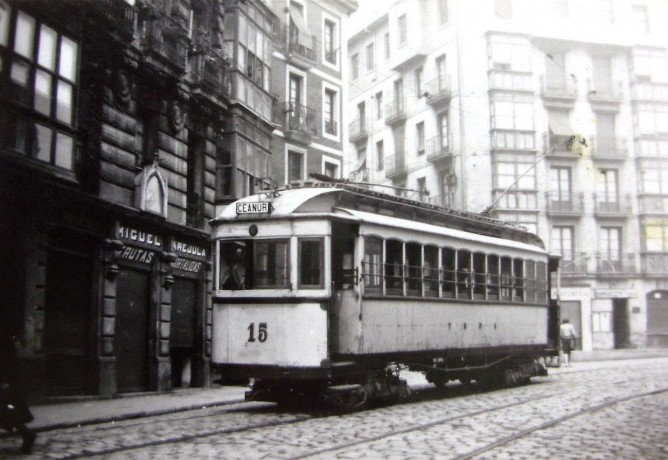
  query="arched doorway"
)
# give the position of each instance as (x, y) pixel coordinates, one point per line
(657, 319)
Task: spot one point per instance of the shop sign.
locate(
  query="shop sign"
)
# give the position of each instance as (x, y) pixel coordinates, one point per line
(188, 265)
(186, 249)
(135, 254)
(615, 293)
(129, 234)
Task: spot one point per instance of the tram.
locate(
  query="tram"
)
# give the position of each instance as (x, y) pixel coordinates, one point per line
(326, 291)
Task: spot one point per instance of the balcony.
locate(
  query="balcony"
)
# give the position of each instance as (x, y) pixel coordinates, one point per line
(578, 265)
(652, 204)
(246, 91)
(358, 133)
(612, 206)
(654, 263)
(118, 14)
(624, 265)
(646, 91)
(439, 152)
(300, 44)
(395, 112)
(559, 146)
(395, 166)
(165, 42)
(438, 92)
(564, 204)
(506, 80)
(211, 74)
(609, 95)
(300, 123)
(559, 94)
(609, 148)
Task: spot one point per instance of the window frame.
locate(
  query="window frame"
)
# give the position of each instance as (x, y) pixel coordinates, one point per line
(321, 262)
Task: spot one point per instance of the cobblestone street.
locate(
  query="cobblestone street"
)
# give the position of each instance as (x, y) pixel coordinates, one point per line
(595, 410)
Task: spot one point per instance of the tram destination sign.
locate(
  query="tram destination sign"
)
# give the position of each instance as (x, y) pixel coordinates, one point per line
(258, 207)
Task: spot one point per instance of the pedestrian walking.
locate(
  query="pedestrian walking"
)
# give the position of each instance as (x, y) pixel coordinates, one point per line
(567, 335)
(14, 411)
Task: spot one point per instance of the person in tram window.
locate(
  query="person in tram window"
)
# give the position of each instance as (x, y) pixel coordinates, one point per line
(14, 411)
(567, 336)
(233, 272)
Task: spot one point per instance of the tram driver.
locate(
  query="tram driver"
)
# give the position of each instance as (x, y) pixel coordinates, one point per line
(232, 269)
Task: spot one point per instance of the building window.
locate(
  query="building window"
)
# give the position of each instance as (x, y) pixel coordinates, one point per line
(331, 170)
(361, 115)
(607, 186)
(605, 132)
(422, 187)
(652, 118)
(402, 26)
(610, 249)
(295, 166)
(650, 65)
(418, 81)
(563, 243)
(329, 112)
(559, 8)
(43, 69)
(602, 74)
(512, 112)
(224, 172)
(387, 45)
(603, 11)
(379, 105)
(654, 177)
(503, 8)
(369, 57)
(510, 53)
(254, 53)
(354, 66)
(560, 184)
(515, 184)
(656, 235)
(443, 11)
(330, 41)
(443, 130)
(380, 155)
(419, 138)
(295, 90)
(640, 18)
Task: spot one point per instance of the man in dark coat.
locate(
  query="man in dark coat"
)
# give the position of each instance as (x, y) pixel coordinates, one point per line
(14, 412)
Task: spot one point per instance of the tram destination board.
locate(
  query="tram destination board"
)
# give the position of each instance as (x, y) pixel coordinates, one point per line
(258, 207)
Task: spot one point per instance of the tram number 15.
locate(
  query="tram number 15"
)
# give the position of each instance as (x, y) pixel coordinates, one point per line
(261, 332)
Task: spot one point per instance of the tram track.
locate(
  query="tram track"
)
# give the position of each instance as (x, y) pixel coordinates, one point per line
(239, 419)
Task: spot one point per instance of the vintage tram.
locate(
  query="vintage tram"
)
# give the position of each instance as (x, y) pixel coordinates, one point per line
(325, 291)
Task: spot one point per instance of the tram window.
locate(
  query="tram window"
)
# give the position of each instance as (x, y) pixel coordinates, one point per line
(414, 269)
(479, 275)
(464, 281)
(448, 272)
(394, 264)
(270, 264)
(372, 267)
(311, 263)
(541, 283)
(493, 277)
(506, 278)
(430, 271)
(530, 281)
(518, 280)
(233, 265)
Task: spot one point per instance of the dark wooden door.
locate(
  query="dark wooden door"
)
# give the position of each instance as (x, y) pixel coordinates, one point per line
(620, 323)
(131, 340)
(67, 322)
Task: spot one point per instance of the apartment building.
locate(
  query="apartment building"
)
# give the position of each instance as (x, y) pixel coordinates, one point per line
(552, 115)
(308, 71)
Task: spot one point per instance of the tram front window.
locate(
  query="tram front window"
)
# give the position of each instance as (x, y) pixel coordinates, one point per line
(253, 264)
(310, 263)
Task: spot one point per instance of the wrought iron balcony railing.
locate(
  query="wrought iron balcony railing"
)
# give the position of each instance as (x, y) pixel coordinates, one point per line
(167, 39)
(564, 203)
(118, 13)
(358, 130)
(609, 147)
(395, 111)
(332, 127)
(213, 74)
(299, 118)
(438, 90)
(438, 149)
(395, 165)
(616, 263)
(612, 205)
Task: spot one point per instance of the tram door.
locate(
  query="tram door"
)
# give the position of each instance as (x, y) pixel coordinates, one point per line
(345, 277)
(131, 341)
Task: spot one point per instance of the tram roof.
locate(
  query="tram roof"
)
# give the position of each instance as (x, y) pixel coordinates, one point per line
(324, 198)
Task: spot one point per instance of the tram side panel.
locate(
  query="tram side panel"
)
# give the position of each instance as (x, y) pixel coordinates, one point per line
(272, 334)
(394, 326)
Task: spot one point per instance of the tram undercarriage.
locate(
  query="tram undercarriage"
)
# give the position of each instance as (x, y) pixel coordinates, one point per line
(362, 387)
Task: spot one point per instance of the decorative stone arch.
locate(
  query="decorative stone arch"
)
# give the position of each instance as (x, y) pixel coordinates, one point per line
(657, 319)
(151, 192)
